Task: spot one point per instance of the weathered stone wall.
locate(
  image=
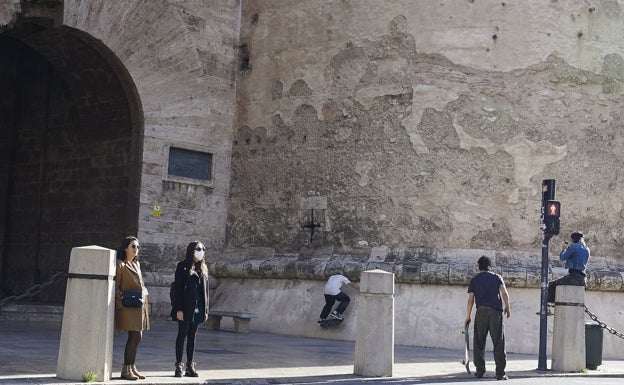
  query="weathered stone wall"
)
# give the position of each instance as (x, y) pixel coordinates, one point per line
(414, 128)
(181, 57)
(447, 268)
(418, 132)
(177, 63)
(8, 13)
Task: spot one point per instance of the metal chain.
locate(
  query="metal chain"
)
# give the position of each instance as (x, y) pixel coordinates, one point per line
(602, 324)
(35, 289)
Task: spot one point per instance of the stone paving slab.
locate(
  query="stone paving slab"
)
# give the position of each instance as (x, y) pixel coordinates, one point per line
(29, 352)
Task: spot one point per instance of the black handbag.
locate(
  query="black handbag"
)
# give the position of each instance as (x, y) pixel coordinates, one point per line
(132, 298)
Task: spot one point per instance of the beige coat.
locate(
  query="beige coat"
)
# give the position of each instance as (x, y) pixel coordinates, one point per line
(129, 278)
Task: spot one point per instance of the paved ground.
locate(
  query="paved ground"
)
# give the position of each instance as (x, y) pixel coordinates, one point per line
(28, 355)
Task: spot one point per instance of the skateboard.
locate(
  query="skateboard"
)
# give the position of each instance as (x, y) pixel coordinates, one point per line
(466, 360)
(330, 322)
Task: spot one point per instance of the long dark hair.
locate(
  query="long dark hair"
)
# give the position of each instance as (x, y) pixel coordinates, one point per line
(196, 266)
(121, 252)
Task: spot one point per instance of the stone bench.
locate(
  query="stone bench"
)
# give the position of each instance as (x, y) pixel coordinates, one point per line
(241, 320)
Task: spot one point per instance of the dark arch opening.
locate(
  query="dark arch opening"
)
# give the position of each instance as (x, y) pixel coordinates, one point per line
(70, 152)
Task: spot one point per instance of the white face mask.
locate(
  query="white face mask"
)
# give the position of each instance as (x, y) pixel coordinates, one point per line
(199, 255)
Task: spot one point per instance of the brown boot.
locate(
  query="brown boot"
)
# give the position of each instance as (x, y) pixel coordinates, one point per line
(126, 373)
(136, 372)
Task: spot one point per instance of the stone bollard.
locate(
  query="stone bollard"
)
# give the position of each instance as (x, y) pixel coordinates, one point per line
(568, 343)
(374, 344)
(88, 316)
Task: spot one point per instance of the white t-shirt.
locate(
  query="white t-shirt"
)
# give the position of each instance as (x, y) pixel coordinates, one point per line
(334, 283)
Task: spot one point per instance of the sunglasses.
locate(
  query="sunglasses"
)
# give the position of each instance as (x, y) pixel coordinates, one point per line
(135, 246)
(200, 249)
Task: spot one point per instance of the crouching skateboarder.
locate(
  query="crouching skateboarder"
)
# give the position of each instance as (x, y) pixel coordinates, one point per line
(334, 293)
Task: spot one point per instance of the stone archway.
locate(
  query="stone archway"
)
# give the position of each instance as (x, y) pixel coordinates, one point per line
(70, 152)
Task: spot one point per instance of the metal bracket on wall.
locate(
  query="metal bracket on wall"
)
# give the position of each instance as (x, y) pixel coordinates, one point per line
(311, 225)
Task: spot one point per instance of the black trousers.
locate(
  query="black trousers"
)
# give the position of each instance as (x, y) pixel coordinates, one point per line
(573, 278)
(187, 330)
(329, 303)
(488, 320)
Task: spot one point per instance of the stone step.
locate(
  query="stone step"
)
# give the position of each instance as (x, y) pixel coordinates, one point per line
(32, 312)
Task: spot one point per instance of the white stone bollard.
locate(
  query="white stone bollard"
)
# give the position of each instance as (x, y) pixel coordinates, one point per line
(374, 344)
(88, 316)
(568, 344)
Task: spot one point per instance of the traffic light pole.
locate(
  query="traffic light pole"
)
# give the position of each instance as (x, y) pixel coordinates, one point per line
(541, 364)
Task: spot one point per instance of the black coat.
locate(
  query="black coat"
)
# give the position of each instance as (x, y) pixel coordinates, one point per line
(187, 288)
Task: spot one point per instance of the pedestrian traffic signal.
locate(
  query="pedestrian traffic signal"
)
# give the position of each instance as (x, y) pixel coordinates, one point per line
(552, 211)
(548, 191)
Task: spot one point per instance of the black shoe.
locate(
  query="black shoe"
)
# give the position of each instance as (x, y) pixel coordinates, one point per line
(321, 320)
(503, 377)
(178, 369)
(479, 374)
(190, 370)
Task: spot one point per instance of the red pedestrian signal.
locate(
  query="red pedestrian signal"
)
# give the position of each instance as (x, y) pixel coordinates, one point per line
(552, 211)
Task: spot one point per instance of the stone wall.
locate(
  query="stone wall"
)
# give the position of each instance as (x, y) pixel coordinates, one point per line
(416, 135)
(175, 65)
(421, 127)
(408, 136)
(181, 56)
(445, 268)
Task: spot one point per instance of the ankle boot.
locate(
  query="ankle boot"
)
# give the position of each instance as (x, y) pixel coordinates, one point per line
(190, 370)
(178, 369)
(136, 372)
(126, 373)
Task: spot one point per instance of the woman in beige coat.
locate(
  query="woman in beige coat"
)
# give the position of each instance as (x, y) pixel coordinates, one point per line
(131, 319)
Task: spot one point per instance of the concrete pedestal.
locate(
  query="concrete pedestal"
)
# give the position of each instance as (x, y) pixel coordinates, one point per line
(88, 317)
(568, 344)
(374, 344)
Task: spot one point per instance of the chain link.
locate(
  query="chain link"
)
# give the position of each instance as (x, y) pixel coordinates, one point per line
(602, 324)
(34, 290)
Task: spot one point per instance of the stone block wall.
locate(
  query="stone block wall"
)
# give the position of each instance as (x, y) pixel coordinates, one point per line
(426, 127)
(182, 61)
(181, 57)
(409, 136)
(174, 64)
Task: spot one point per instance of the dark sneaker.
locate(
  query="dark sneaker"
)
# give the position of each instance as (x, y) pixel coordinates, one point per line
(479, 374)
(178, 369)
(336, 316)
(190, 370)
(321, 320)
(503, 377)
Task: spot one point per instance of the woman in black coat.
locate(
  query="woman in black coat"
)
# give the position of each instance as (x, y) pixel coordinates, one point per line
(191, 303)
